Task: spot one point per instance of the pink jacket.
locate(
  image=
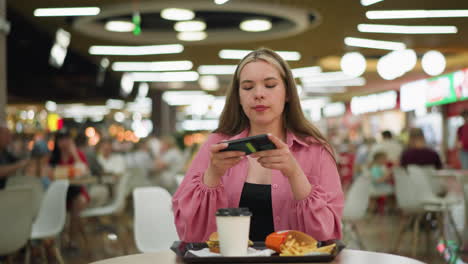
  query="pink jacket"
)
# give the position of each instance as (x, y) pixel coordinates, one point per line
(318, 215)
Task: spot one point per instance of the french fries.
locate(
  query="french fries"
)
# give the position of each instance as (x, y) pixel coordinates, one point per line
(295, 243)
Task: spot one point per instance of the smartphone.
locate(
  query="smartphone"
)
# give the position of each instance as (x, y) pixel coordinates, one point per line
(250, 145)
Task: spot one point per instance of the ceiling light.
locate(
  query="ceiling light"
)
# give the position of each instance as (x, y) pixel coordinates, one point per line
(51, 106)
(185, 76)
(351, 82)
(153, 66)
(403, 14)
(369, 2)
(374, 44)
(396, 63)
(239, 54)
(353, 64)
(209, 82)
(115, 104)
(177, 14)
(393, 29)
(143, 89)
(70, 11)
(188, 26)
(217, 69)
(120, 26)
(306, 71)
(220, 2)
(126, 84)
(433, 62)
(136, 50)
(328, 77)
(184, 97)
(192, 36)
(255, 25)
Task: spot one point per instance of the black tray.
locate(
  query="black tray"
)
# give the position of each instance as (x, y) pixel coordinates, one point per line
(182, 250)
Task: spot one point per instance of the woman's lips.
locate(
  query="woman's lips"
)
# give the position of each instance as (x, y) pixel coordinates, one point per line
(260, 108)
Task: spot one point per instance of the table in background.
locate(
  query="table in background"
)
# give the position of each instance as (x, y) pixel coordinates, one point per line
(347, 256)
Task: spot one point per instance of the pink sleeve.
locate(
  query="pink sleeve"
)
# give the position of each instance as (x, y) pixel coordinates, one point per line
(194, 203)
(319, 214)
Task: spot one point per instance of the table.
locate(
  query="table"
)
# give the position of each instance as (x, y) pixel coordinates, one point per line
(347, 256)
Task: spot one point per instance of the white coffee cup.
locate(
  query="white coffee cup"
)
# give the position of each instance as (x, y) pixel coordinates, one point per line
(233, 230)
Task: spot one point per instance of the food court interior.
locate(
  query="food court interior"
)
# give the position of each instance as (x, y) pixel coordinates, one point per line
(136, 86)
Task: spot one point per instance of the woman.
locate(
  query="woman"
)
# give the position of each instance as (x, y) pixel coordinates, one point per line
(295, 186)
(67, 159)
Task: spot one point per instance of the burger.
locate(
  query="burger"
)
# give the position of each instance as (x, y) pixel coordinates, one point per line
(213, 242)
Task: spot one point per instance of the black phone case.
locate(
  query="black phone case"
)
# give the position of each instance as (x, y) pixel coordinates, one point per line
(250, 145)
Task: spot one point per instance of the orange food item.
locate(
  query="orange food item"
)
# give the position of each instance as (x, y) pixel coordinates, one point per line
(294, 243)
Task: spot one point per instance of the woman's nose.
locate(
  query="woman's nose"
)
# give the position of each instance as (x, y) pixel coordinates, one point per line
(259, 93)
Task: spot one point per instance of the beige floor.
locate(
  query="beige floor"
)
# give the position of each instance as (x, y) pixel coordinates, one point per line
(377, 232)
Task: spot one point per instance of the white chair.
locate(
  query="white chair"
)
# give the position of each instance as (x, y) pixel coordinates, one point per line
(154, 227)
(116, 205)
(52, 214)
(114, 208)
(410, 204)
(356, 203)
(36, 187)
(431, 202)
(16, 219)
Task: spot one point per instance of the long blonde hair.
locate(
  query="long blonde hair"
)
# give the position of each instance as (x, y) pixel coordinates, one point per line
(233, 120)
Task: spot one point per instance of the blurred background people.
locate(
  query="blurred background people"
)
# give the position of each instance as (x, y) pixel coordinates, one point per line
(389, 146)
(70, 162)
(169, 162)
(417, 152)
(9, 164)
(462, 140)
(39, 166)
(110, 162)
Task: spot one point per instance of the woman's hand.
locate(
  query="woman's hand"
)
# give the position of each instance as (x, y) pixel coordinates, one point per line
(220, 162)
(278, 159)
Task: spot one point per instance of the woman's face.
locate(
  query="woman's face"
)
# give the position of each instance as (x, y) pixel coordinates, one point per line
(262, 93)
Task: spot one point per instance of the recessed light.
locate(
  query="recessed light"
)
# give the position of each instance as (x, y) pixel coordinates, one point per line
(353, 64)
(239, 54)
(70, 11)
(220, 2)
(369, 2)
(182, 76)
(374, 44)
(153, 66)
(404, 14)
(217, 69)
(255, 25)
(120, 26)
(433, 62)
(399, 29)
(192, 36)
(136, 50)
(188, 26)
(177, 14)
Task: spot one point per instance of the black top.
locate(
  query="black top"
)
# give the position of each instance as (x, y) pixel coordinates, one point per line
(420, 156)
(257, 197)
(6, 158)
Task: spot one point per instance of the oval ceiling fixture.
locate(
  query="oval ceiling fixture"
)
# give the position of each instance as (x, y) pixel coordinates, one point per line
(190, 26)
(433, 62)
(192, 36)
(255, 25)
(353, 64)
(177, 14)
(119, 26)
